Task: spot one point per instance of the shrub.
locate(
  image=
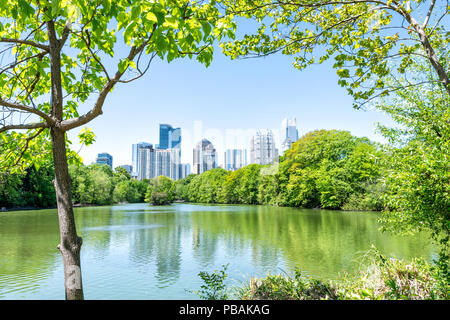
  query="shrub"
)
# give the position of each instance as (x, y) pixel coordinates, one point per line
(286, 287)
(214, 285)
(160, 199)
(393, 279)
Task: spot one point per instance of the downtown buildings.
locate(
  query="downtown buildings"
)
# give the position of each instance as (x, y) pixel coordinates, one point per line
(289, 133)
(262, 148)
(160, 160)
(104, 158)
(204, 157)
(234, 159)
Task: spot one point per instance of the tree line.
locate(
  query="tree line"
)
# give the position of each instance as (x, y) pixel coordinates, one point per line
(328, 169)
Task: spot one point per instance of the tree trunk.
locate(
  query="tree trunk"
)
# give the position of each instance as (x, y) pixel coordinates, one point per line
(70, 244)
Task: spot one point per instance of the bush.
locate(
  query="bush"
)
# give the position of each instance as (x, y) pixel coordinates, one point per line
(160, 199)
(381, 279)
(285, 287)
(214, 285)
(392, 279)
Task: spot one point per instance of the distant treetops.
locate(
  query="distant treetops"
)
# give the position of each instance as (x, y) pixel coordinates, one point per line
(324, 169)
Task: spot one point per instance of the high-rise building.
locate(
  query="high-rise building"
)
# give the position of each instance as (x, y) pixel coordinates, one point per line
(235, 159)
(163, 159)
(167, 163)
(185, 170)
(262, 148)
(143, 159)
(205, 157)
(169, 137)
(104, 158)
(289, 133)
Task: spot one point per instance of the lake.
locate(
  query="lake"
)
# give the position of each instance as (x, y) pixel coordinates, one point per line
(138, 251)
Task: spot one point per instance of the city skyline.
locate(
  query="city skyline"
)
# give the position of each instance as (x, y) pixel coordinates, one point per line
(228, 96)
(170, 140)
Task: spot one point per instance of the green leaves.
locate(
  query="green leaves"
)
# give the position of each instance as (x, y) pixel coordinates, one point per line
(86, 136)
(25, 8)
(366, 41)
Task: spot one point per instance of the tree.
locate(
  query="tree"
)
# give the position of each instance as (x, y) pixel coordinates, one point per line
(55, 57)
(370, 40)
(324, 167)
(418, 177)
(161, 191)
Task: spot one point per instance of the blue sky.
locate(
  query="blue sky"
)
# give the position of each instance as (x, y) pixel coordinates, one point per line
(237, 96)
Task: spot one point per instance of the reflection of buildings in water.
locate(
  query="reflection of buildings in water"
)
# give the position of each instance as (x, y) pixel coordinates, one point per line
(157, 247)
(168, 255)
(204, 246)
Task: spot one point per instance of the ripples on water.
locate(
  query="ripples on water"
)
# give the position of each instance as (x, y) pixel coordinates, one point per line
(139, 251)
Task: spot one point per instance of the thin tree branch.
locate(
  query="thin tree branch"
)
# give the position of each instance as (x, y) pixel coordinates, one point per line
(18, 106)
(27, 42)
(24, 126)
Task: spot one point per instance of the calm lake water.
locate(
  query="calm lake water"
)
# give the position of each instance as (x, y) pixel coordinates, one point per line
(137, 251)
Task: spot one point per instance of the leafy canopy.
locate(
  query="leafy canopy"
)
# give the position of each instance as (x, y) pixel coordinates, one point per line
(99, 43)
(368, 39)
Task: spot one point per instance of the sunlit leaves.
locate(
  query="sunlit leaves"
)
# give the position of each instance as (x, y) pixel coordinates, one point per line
(94, 31)
(86, 136)
(361, 36)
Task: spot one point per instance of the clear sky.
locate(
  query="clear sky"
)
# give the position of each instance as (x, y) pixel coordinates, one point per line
(224, 103)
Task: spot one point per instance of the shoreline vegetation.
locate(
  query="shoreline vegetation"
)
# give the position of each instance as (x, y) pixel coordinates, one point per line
(379, 278)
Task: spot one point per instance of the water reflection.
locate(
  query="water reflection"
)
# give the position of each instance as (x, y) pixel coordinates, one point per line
(143, 252)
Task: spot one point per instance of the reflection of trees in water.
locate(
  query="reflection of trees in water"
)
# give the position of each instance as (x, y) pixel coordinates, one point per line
(204, 247)
(320, 242)
(161, 245)
(91, 217)
(27, 253)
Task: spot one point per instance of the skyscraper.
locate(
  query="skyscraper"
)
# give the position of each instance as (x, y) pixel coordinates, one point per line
(167, 163)
(169, 137)
(104, 158)
(262, 148)
(205, 157)
(289, 133)
(185, 170)
(143, 159)
(235, 159)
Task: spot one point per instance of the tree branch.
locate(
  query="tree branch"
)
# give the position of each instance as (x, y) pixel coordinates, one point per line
(27, 42)
(37, 112)
(24, 126)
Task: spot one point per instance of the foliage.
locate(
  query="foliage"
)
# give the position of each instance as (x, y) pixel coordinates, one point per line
(365, 38)
(241, 186)
(324, 168)
(391, 279)
(32, 188)
(214, 287)
(159, 198)
(207, 187)
(92, 184)
(181, 187)
(380, 278)
(98, 184)
(418, 176)
(82, 38)
(161, 190)
(286, 287)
